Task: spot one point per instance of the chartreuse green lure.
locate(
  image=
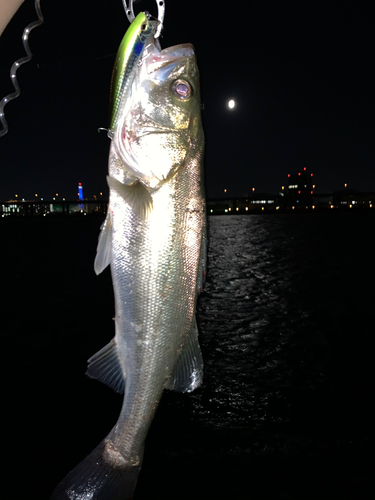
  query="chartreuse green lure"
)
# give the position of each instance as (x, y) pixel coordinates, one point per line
(128, 54)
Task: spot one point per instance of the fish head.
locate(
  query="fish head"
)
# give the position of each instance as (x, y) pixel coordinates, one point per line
(161, 122)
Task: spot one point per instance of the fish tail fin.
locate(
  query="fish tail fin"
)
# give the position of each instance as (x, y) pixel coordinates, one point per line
(102, 475)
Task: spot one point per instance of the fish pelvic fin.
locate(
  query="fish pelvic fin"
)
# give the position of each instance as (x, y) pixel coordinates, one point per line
(105, 366)
(102, 475)
(188, 374)
(104, 249)
(135, 195)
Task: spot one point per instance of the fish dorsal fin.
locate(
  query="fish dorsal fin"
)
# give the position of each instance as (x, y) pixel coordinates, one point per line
(188, 374)
(135, 194)
(104, 248)
(105, 366)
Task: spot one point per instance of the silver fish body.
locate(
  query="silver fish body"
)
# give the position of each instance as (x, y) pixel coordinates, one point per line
(153, 239)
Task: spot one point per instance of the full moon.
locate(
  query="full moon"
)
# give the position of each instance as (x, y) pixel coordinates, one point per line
(231, 104)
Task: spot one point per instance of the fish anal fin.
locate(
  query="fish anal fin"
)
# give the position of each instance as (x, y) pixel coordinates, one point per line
(105, 366)
(104, 248)
(188, 374)
(135, 195)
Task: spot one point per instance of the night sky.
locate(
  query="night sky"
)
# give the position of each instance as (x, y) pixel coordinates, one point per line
(301, 73)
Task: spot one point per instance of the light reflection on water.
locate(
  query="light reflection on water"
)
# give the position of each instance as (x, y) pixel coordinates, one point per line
(260, 340)
(285, 325)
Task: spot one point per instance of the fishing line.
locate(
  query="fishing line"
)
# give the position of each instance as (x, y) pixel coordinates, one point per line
(17, 64)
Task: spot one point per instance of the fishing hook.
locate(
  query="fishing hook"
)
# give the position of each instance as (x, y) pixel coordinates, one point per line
(129, 11)
(17, 64)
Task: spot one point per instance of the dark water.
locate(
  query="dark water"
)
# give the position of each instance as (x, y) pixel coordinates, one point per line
(286, 323)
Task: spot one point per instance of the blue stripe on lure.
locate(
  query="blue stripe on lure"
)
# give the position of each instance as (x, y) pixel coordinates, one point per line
(128, 54)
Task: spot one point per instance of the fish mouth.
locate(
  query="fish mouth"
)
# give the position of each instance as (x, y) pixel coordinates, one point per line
(157, 59)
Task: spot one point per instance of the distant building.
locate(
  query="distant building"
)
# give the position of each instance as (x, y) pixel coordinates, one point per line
(300, 189)
(80, 194)
(255, 202)
(349, 198)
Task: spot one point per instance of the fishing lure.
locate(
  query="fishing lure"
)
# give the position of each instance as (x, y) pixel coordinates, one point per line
(128, 54)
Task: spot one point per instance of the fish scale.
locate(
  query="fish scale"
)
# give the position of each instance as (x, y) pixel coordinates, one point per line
(153, 238)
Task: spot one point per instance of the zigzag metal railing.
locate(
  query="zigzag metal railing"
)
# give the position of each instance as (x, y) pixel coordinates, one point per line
(17, 64)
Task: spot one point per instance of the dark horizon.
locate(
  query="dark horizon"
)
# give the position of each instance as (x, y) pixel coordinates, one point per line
(300, 74)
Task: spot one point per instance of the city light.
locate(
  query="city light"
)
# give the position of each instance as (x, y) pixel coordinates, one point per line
(298, 195)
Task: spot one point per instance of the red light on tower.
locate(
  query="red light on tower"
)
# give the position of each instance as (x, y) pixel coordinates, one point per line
(299, 192)
(311, 192)
(311, 175)
(288, 175)
(299, 173)
(304, 168)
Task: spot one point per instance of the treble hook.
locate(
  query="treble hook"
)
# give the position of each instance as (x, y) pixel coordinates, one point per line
(129, 11)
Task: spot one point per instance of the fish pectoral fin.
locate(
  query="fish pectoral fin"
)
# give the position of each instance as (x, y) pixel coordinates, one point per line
(188, 374)
(104, 248)
(105, 366)
(135, 194)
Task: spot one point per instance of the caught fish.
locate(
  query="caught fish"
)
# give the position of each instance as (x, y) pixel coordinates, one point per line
(154, 240)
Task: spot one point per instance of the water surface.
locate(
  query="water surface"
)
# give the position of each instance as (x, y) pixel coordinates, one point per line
(285, 321)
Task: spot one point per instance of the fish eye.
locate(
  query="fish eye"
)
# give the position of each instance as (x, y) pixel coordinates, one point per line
(181, 89)
(143, 26)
